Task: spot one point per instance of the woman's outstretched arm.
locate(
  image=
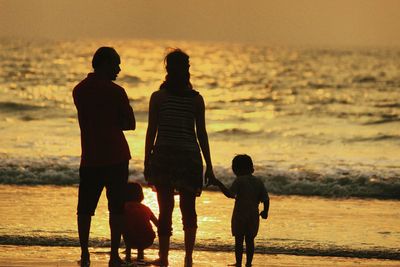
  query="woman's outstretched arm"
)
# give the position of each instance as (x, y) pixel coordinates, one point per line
(202, 136)
(152, 127)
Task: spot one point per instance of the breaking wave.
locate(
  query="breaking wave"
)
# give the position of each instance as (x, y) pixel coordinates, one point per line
(14, 107)
(65, 172)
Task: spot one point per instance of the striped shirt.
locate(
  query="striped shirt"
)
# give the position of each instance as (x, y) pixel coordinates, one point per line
(177, 123)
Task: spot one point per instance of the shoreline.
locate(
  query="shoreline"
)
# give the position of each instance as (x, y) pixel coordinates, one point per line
(215, 189)
(301, 252)
(263, 251)
(13, 256)
(300, 231)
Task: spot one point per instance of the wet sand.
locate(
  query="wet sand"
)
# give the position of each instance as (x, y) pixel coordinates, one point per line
(13, 256)
(34, 233)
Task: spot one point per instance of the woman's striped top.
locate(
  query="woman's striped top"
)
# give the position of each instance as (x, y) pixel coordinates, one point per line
(176, 126)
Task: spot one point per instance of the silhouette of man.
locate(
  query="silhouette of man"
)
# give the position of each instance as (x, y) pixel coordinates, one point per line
(103, 113)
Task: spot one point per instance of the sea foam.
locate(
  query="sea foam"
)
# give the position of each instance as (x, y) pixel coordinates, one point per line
(340, 183)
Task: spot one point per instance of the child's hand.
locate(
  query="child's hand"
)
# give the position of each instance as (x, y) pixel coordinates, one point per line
(264, 214)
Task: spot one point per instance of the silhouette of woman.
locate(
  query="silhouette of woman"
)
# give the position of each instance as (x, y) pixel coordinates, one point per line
(173, 160)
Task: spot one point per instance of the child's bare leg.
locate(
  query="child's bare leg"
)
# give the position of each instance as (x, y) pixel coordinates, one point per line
(249, 250)
(239, 249)
(140, 254)
(128, 254)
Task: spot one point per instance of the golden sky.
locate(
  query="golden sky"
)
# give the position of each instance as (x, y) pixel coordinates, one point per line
(288, 22)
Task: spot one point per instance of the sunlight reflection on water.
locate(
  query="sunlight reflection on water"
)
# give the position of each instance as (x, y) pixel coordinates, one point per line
(293, 221)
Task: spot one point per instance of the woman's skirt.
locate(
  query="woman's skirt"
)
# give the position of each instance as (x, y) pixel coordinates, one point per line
(180, 169)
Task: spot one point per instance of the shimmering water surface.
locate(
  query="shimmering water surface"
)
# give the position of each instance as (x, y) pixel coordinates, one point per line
(316, 121)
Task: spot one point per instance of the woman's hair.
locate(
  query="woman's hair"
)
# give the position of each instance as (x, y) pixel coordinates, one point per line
(177, 79)
(242, 164)
(134, 192)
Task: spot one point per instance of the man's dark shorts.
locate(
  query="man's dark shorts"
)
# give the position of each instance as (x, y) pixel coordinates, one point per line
(92, 182)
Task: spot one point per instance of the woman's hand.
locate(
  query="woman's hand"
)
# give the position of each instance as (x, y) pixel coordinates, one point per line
(209, 177)
(146, 170)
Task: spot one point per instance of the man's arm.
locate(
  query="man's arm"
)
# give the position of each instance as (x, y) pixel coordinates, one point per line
(76, 97)
(128, 120)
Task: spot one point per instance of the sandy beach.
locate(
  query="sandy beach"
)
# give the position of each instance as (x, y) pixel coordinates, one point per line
(362, 232)
(14, 256)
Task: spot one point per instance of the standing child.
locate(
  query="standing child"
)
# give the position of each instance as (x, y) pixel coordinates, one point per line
(137, 231)
(248, 192)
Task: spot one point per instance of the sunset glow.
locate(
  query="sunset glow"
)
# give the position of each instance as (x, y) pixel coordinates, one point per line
(309, 89)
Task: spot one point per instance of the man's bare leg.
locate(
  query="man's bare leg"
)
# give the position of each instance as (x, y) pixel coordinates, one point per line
(116, 231)
(84, 222)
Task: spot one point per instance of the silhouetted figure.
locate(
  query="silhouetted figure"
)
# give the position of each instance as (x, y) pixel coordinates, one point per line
(248, 192)
(103, 113)
(137, 230)
(173, 160)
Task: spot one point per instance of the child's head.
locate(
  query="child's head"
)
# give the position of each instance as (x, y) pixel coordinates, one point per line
(134, 192)
(242, 165)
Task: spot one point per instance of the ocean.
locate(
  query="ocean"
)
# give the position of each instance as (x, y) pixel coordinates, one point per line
(322, 126)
